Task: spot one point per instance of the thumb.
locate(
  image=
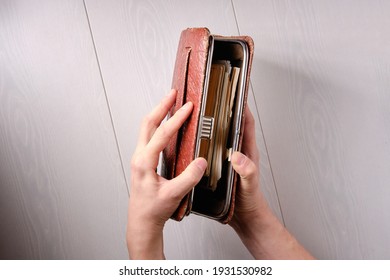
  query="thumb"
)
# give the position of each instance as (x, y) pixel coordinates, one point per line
(247, 170)
(188, 179)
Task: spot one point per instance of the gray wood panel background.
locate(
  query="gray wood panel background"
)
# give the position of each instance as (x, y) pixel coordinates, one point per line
(62, 188)
(321, 78)
(77, 77)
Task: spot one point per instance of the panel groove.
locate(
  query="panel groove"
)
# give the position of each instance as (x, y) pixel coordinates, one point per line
(267, 153)
(261, 128)
(106, 97)
(235, 17)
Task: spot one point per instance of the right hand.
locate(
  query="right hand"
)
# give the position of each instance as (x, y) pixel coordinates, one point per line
(250, 202)
(259, 229)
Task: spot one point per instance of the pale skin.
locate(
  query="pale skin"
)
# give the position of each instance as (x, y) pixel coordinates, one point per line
(153, 199)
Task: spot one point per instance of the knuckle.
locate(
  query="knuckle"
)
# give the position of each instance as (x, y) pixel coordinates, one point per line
(165, 105)
(147, 121)
(163, 131)
(137, 164)
(250, 169)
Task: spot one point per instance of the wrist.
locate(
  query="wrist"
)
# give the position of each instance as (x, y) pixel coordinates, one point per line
(258, 231)
(145, 241)
(266, 238)
(249, 220)
(259, 221)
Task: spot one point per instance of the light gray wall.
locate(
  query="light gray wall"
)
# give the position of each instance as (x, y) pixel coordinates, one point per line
(76, 78)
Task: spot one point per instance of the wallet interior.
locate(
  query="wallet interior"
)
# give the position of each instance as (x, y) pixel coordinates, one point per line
(220, 124)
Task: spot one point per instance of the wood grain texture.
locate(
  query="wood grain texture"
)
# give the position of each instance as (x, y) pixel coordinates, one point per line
(136, 43)
(62, 190)
(320, 78)
(321, 91)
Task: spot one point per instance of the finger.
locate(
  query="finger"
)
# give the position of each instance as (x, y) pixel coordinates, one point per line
(249, 145)
(166, 131)
(155, 117)
(246, 169)
(178, 187)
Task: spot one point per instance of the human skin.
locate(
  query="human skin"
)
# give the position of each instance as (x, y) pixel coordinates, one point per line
(153, 199)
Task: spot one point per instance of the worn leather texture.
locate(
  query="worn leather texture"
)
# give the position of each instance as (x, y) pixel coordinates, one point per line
(188, 79)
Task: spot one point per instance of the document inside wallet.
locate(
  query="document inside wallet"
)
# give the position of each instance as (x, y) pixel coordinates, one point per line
(220, 124)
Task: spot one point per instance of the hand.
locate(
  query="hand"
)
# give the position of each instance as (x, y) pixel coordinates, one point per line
(259, 229)
(153, 199)
(250, 201)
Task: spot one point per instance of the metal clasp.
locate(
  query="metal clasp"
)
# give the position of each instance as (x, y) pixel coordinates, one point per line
(207, 127)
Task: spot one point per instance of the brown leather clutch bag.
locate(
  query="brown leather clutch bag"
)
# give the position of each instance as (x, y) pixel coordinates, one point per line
(212, 72)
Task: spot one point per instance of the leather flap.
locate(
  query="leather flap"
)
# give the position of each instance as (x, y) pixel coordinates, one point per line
(188, 79)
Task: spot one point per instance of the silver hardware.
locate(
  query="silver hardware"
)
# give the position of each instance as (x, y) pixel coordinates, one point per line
(207, 127)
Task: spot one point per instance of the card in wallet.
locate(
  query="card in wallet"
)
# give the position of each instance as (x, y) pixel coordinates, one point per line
(212, 72)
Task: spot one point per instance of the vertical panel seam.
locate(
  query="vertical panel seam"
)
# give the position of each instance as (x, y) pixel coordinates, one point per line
(106, 97)
(261, 127)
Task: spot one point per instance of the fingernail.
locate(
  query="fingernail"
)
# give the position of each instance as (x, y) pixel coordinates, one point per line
(201, 163)
(238, 158)
(171, 93)
(186, 106)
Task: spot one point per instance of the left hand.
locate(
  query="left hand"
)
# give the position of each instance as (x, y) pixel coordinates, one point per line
(153, 199)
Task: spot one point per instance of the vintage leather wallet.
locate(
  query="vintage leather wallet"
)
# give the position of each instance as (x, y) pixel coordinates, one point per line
(212, 72)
